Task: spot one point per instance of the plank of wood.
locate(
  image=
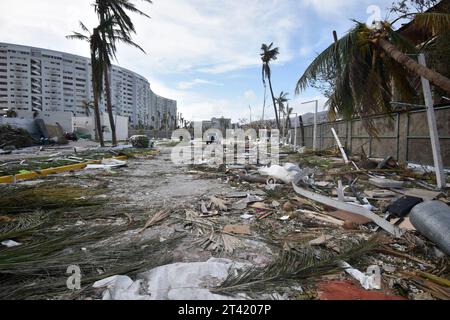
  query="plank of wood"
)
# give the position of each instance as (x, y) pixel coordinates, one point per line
(421, 193)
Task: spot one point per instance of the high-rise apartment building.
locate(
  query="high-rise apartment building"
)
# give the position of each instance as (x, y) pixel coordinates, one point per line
(40, 80)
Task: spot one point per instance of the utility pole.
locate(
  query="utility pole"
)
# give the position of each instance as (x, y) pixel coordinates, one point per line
(432, 125)
(250, 114)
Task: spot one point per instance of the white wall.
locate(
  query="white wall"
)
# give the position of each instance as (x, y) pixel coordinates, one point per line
(87, 125)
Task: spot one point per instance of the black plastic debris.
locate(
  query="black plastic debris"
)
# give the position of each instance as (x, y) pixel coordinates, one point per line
(403, 206)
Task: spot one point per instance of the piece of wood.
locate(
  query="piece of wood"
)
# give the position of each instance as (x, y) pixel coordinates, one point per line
(268, 214)
(386, 183)
(237, 229)
(260, 206)
(341, 148)
(252, 179)
(348, 216)
(396, 232)
(420, 193)
(380, 194)
(322, 217)
(320, 241)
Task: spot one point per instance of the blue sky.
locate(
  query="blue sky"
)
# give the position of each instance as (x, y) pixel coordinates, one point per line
(203, 53)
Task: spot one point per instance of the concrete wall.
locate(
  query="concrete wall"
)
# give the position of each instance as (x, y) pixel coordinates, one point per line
(403, 135)
(87, 125)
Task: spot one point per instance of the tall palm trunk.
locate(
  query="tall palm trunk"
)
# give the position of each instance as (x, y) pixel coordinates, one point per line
(264, 105)
(410, 64)
(98, 123)
(274, 105)
(109, 107)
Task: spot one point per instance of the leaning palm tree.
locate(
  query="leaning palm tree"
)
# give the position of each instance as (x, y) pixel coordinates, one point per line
(269, 54)
(95, 41)
(114, 13)
(372, 63)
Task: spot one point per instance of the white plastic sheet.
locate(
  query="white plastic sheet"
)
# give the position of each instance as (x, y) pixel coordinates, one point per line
(179, 281)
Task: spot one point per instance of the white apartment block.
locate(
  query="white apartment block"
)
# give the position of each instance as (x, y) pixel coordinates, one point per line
(39, 80)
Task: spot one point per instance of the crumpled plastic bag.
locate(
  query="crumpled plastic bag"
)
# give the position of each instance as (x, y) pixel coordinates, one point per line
(368, 282)
(288, 173)
(121, 288)
(179, 281)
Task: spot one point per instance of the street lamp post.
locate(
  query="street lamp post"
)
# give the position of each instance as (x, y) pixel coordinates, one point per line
(315, 123)
(295, 131)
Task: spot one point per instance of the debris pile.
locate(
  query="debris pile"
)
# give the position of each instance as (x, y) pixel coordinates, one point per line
(15, 138)
(313, 227)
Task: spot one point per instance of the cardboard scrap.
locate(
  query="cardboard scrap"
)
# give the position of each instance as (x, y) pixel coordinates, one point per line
(237, 229)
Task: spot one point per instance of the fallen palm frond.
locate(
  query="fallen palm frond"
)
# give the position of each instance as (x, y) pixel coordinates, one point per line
(21, 224)
(436, 290)
(291, 266)
(22, 199)
(155, 219)
(38, 270)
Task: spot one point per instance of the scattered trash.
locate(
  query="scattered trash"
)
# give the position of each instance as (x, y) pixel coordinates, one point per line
(10, 243)
(121, 288)
(288, 173)
(237, 229)
(369, 281)
(179, 281)
(140, 142)
(107, 164)
(403, 206)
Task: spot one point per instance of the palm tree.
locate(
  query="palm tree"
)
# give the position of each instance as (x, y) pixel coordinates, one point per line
(373, 63)
(281, 100)
(115, 11)
(87, 106)
(95, 41)
(269, 54)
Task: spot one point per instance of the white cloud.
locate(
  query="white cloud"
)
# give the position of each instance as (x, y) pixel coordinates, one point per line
(250, 95)
(190, 84)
